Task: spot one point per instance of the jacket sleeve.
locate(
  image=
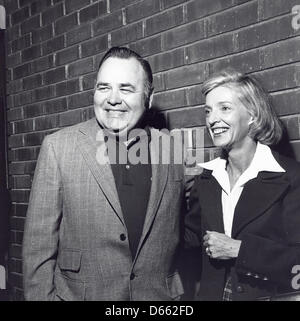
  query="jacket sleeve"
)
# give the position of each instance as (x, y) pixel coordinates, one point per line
(278, 260)
(192, 221)
(41, 233)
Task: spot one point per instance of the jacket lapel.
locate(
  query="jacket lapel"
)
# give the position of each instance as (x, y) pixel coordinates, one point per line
(91, 145)
(159, 180)
(258, 195)
(212, 204)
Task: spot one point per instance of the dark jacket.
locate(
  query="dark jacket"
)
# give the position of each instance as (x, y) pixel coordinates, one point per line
(266, 220)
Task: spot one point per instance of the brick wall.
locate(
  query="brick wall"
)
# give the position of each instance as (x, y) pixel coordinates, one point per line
(54, 47)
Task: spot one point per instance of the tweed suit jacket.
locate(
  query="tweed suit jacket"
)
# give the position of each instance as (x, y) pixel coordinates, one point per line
(72, 247)
(266, 220)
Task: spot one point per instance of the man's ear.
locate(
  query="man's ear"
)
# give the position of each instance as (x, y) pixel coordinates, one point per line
(150, 100)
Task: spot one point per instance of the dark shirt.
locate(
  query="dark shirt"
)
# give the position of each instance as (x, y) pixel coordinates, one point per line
(133, 182)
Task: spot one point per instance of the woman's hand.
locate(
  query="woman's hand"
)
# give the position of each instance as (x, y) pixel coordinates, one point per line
(220, 246)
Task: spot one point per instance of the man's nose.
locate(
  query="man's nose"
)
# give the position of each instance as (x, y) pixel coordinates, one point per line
(114, 98)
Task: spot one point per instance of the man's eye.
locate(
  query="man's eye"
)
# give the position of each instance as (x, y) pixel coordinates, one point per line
(102, 88)
(126, 90)
(225, 108)
(207, 111)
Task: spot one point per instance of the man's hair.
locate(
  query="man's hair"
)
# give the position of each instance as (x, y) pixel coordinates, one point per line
(126, 53)
(266, 127)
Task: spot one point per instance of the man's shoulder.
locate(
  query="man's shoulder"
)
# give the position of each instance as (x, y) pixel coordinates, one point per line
(70, 131)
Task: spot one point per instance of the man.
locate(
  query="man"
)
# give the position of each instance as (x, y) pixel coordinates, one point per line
(98, 230)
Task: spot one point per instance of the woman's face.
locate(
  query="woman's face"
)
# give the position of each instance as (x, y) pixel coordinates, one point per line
(227, 119)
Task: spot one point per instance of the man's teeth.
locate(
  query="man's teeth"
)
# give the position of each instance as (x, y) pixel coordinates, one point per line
(219, 130)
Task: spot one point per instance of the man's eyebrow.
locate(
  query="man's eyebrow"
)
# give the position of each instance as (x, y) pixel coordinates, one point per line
(100, 83)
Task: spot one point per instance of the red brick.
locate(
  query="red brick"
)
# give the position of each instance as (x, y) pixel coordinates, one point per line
(34, 139)
(92, 12)
(285, 77)
(46, 122)
(186, 75)
(30, 24)
(93, 46)
(184, 34)
(22, 168)
(42, 34)
(23, 98)
(87, 113)
(17, 223)
(21, 43)
(32, 82)
(52, 14)
(194, 95)
(265, 33)
(141, 10)
(169, 99)
(31, 53)
(14, 86)
(13, 32)
(20, 15)
(11, 6)
(188, 117)
(210, 48)
(296, 149)
(292, 127)
(42, 64)
(70, 118)
(55, 75)
(271, 8)
(84, 32)
(147, 46)
(15, 141)
(232, 19)
(107, 23)
(15, 114)
(45, 92)
(286, 103)
(23, 126)
(24, 154)
(88, 81)
(33, 110)
(72, 5)
(82, 99)
(81, 67)
(39, 6)
(55, 105)
(164, 21)
(127, 34)
(53, 44)
(65, 23)
(24, 2)
(201, 8)
(244, 62)
(67, 87)
(117, 4)
(170, 3)
(67, 55)
(158, 82)
(167, 60)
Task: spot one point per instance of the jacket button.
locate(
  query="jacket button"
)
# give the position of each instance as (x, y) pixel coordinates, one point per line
(122, 237)
(239, 289)
(132, 276)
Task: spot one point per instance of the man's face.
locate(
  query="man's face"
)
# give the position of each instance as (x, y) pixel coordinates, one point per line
(119, 99)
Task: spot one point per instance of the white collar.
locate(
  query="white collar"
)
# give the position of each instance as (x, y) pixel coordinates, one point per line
(263, 160)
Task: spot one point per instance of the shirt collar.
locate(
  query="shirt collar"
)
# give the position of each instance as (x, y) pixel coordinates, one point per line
(263, 160)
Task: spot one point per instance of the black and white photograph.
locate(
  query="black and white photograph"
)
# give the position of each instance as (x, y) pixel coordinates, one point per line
(150, 152)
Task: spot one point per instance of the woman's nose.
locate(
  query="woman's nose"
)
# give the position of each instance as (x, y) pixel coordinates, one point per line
(213, 117)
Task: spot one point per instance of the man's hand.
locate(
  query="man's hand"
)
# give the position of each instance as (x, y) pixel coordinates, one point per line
(220, 246)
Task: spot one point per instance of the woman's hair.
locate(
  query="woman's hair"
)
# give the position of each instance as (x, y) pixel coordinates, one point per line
(266, 127)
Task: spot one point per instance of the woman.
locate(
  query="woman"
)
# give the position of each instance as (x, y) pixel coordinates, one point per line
(245, 206)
